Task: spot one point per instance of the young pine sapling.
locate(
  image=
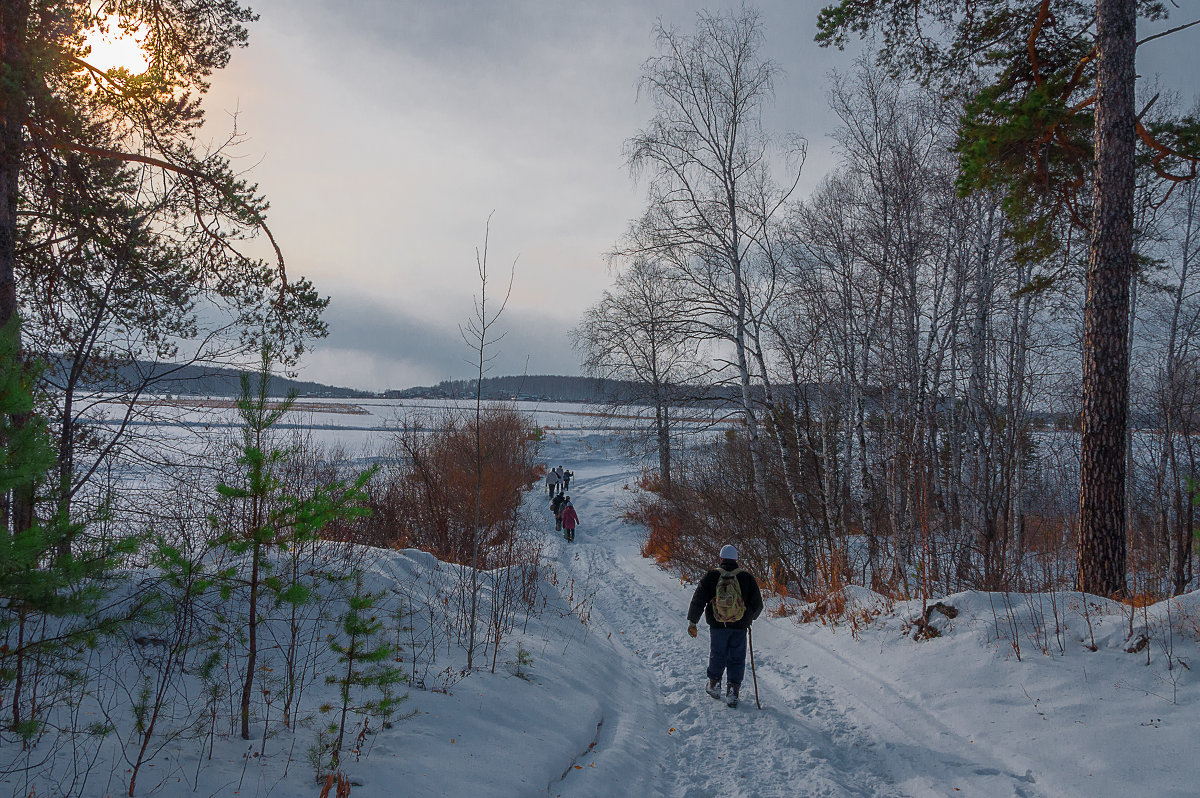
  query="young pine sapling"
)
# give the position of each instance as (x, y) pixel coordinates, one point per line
(270, 518)
(367, 679)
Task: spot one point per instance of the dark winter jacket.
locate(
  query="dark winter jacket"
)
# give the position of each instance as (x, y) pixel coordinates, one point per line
(707, 590)
(556, 505)
(569, 517)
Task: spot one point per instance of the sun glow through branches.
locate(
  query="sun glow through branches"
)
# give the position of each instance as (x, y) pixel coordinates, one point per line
(114, 48)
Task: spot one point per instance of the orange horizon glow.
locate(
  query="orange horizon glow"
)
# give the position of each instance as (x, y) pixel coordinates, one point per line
(112, 47)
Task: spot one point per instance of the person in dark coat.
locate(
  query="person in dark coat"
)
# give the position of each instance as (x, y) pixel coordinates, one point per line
(570, 519)
(556, 505)
(727, 640)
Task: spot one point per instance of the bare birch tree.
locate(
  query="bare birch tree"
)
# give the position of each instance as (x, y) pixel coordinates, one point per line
(711, 197)
(642, 332)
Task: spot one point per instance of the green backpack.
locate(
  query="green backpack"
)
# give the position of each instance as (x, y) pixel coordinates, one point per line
(728, 605)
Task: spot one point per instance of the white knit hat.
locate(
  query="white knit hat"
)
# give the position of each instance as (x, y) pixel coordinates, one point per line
(728, 552)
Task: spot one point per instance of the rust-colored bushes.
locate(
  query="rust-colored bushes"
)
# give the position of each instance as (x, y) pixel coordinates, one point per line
(442, 479)
(712, 502)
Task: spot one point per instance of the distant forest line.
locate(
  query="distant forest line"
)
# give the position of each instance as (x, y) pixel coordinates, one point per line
(192, 380)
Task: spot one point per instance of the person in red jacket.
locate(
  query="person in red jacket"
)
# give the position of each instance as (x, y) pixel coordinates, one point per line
(570, 519)
(730, 600)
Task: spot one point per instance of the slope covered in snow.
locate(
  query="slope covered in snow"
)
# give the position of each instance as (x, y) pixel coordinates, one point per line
(853, 709)
(601, 693)
(1008, 700)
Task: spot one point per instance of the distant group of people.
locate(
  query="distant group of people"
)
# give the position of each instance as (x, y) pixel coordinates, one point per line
(558, 481)
(565, 517)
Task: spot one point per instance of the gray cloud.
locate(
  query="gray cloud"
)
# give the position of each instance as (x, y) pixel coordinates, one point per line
(385, 131)
(375, 346)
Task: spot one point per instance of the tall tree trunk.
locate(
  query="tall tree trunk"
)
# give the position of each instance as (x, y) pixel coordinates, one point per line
(1106, 313)
(1018, 425)
(749, 413)
(870, 497)
(1178, 546)
(662, 433)
(252, 641)
(981, 481)
(1130, 460)
(14, 19)
(14, 23)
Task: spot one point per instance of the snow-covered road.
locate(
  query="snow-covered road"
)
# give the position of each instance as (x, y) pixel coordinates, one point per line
(856, 735)
(661, 732)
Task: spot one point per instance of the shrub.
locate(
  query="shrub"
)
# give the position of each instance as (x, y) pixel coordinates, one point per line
(424, 494)
(712, 502)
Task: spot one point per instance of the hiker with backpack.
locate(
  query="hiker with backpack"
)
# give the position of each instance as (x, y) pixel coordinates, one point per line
(570, 519)
(551, 482)
(730, 600)
(556, 506)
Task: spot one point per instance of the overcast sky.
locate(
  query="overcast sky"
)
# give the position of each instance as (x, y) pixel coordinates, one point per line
(384, 132)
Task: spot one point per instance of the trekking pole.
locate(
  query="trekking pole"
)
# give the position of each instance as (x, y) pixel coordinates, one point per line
(753, 675)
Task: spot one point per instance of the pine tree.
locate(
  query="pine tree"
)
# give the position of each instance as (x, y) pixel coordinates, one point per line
(122, 232)
(270, 517)
(366, 684)
(37, 579)
(102, 166)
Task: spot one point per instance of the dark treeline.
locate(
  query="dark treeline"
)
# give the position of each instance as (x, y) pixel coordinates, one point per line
(543, 387)
(546, 387)
(188, 379)
(590, 390)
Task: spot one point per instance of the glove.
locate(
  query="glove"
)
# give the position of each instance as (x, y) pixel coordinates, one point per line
(692, 629)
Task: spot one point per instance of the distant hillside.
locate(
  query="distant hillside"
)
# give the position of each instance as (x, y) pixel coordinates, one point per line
(591, 390)
(544, 387)
(170, 378)
(551, 388)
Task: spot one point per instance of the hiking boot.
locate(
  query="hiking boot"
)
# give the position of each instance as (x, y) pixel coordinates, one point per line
(714, 688)
(731, 695)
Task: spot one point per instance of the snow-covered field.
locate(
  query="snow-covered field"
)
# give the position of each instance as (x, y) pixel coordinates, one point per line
(1008, 700)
